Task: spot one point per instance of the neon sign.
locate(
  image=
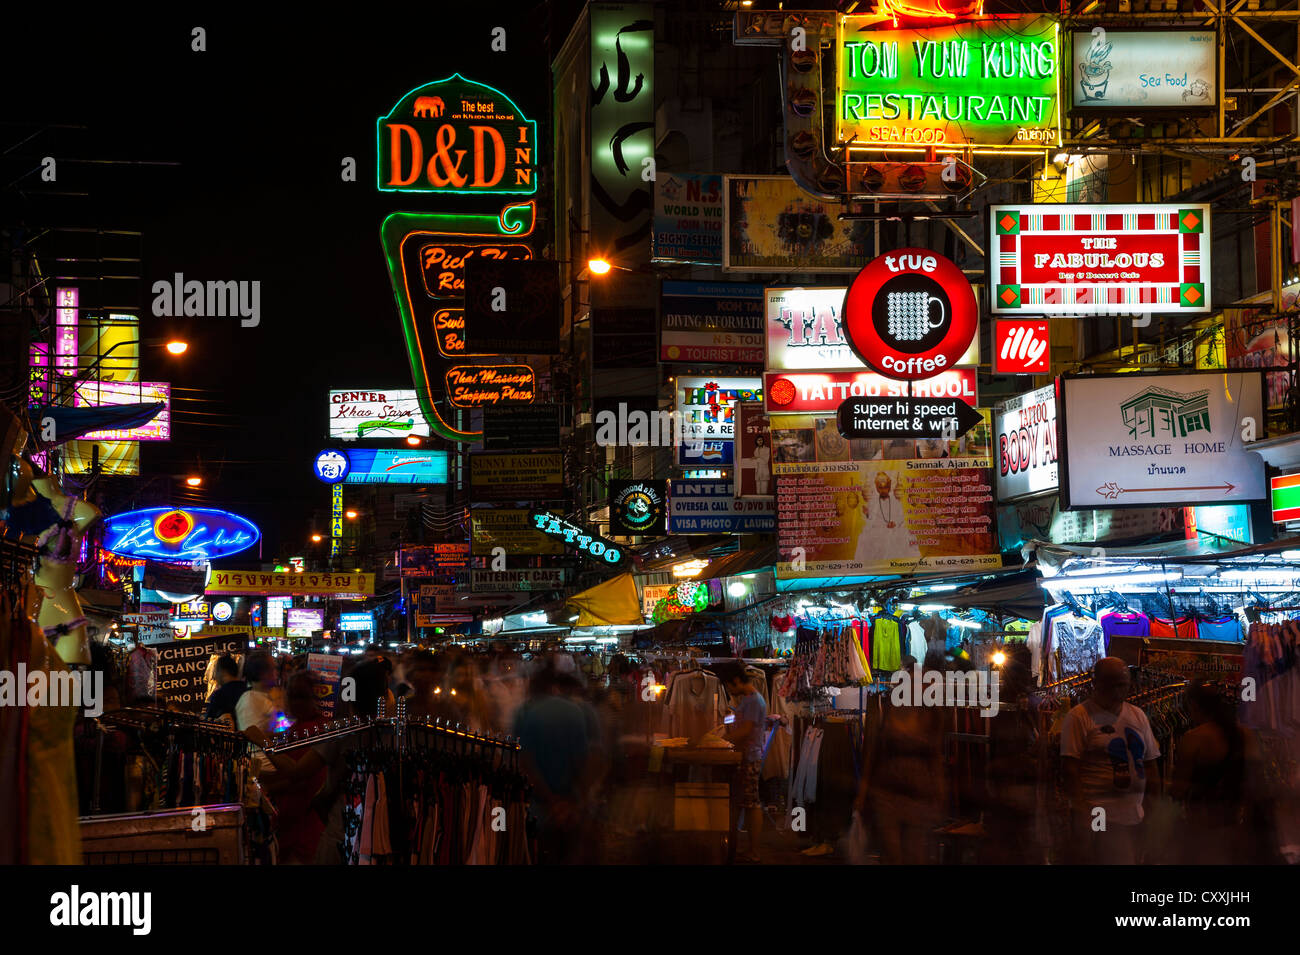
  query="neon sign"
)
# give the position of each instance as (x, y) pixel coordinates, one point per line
(164, 533)
(597, 548)
(459, 136)
(978, 84)
(473, 386)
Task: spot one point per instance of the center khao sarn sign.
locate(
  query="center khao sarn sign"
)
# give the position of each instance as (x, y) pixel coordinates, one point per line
(457, 136)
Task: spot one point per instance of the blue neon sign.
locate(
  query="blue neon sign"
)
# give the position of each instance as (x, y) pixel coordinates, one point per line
(179, 534)
(356, 621)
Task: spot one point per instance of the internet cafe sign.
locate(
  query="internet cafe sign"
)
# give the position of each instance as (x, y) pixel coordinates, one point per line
(457, 136)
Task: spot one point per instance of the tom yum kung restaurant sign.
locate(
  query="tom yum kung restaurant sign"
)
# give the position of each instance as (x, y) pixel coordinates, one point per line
(980, 84)
(458, 136)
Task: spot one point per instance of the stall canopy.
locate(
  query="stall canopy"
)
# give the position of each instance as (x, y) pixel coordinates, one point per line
(610, 604)
(748, 561)
(70, 423)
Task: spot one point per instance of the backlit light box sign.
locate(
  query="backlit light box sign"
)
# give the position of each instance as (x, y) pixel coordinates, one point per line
(458, 136)
(1144, 70)
(368, 466)
(97, 394)
(302, 621)
(804, 332)
(1102, 259)
(986, 84)
(194, 533)
(386, 413)
(357, 621)
(1025, 446)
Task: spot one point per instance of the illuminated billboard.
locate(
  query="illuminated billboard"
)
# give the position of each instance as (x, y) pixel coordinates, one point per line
(980, 84)
(1100, 259)
(369, 466)
(97, 394)
(383, 413)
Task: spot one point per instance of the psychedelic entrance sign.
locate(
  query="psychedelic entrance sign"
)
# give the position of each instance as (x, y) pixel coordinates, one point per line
(451, 137)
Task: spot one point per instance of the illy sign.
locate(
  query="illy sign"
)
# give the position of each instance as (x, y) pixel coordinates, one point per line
(1021, 347)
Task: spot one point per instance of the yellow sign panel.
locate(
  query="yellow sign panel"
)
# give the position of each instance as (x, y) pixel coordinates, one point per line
(259, 582)
(221, 629)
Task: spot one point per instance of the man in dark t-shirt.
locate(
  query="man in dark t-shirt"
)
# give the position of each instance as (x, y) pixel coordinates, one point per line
(229, 689)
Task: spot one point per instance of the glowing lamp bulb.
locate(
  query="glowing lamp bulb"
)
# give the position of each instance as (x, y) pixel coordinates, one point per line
(194, 481)
(178, 347)
(598, 266)
(315, 538)
(999, 658)
(352, 515)
(413, 441)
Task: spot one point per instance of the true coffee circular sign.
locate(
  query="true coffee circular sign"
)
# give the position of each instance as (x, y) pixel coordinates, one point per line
(910, 314)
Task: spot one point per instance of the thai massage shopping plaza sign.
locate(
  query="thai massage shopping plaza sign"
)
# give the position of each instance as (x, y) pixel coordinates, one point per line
(985, 84)
(457, 136)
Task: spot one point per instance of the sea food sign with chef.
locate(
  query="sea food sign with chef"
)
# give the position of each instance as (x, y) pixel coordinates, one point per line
(457, 136)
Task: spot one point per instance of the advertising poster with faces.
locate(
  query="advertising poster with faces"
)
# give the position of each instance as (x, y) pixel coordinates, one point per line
(871, 506)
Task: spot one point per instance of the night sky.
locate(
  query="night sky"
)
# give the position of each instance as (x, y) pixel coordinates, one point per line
(259, 125)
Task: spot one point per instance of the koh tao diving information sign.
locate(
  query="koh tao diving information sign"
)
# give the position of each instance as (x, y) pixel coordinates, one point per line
(1161, 439)
(458, 136)
(985, 84)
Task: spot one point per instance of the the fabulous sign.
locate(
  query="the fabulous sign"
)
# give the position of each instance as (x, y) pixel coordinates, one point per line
(170, 534)
(1100, 259)
(458, 136)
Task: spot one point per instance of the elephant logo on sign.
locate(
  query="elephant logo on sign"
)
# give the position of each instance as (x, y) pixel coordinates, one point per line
(429, 106)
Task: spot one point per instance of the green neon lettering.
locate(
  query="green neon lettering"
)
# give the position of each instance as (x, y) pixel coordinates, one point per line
(891, 103)
(853, 106)
(911, 103)
(919, 49)
(988, 55)
(973, 111)
(1023, 103)
(961, 105)
(998, 107)
(930, 107)
(873, 106)
(1046, 58)
(854, 51)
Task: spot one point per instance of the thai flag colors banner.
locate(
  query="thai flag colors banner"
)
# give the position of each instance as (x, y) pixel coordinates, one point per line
(1099, 259)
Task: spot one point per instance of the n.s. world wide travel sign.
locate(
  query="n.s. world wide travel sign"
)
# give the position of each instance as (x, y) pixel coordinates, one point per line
(1143, 440)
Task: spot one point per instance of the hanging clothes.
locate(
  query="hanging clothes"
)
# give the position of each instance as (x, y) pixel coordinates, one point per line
(697, 703)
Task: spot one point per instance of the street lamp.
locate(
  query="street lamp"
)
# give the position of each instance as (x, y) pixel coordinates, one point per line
(352, 515)
(315, 538)
(412, 440)
(194, 480)
(178, 347)
(598, 266)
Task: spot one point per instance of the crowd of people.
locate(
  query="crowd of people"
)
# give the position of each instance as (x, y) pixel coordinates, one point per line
(574, 715)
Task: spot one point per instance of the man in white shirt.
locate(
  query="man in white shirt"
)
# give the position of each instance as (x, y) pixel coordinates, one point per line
(1109, 755)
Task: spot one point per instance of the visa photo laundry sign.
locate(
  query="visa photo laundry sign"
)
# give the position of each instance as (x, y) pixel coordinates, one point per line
(980, 84)
(1130, 440)
(711, 507)
(1100, 259)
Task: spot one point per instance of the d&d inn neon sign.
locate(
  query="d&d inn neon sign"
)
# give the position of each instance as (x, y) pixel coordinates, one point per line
(457, 136)
(163, 533)
(597, 548)
(982, 84)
